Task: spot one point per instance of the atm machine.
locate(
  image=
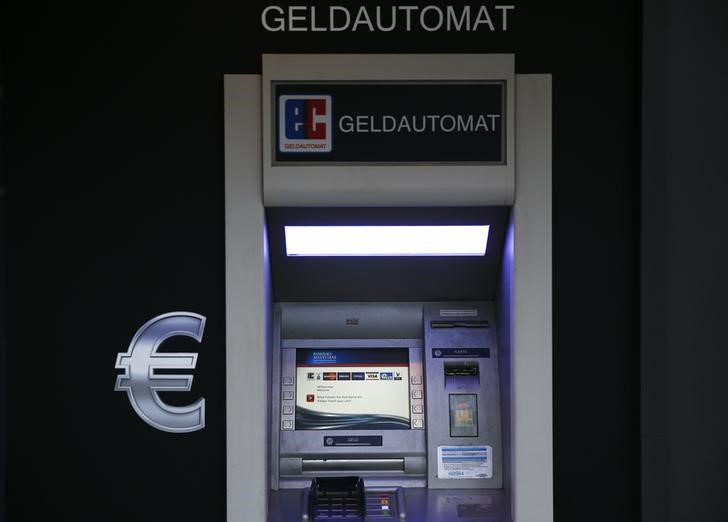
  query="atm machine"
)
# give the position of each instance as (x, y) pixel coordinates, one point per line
(388, 277)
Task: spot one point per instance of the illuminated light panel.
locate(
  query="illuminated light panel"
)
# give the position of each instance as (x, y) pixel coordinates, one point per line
(439, 240)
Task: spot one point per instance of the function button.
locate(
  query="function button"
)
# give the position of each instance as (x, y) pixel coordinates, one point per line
(416, 408)
(287, 381)
(416, 379)
(287, 425)
(416, 394)
(417, 423)
(287, 395)
(288, 410)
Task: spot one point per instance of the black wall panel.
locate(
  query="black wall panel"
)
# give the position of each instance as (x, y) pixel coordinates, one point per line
(113, 166)
(684, 262)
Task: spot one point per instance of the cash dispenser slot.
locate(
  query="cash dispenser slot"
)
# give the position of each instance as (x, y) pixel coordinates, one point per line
(349, 465)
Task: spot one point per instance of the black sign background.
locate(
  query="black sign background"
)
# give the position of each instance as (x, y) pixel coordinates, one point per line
(113, 168)
(405, 99)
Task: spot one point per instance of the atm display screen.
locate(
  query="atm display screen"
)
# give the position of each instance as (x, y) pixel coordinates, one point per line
(352, 389)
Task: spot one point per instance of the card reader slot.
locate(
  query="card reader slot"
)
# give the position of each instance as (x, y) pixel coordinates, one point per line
(324, 465)
(461, 369)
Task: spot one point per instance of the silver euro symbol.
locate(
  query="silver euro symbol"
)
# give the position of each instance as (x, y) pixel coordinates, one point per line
(141, 383)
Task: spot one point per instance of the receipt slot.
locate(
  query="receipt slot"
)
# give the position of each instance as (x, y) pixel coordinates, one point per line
(379, 366)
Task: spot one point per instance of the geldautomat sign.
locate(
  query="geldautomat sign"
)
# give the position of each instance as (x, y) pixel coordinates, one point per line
(389, 122)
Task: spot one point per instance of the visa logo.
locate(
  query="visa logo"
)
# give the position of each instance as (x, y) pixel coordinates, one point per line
(304, 123)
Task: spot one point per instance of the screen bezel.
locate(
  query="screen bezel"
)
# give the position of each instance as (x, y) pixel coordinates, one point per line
(311, 442)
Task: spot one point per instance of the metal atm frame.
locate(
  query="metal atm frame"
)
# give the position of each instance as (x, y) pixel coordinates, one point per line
(523, 182)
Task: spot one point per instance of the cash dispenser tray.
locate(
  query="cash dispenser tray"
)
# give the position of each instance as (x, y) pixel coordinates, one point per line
(345, 498)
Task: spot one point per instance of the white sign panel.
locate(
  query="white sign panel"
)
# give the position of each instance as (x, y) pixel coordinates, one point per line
(464, 462)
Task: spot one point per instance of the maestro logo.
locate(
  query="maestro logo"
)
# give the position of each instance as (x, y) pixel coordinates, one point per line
(142, 385)
(304, 123)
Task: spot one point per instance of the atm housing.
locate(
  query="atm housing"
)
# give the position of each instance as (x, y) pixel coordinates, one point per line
(452, 356)
(476, 384)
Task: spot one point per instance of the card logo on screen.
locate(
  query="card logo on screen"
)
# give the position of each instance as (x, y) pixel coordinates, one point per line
(372, 376)
(304, 123)
(329, 376)
(386, 376)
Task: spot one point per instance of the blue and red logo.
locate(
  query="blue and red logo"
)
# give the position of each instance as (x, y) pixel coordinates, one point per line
(304, 123)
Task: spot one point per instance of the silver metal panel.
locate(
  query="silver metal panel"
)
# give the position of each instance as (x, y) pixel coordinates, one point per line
(377, 480)
(395, 443)
(505, 323)
(355, 343)
(531, 424)
(295, 446)
(487, 391)
(340, 466)
(401, 185)
(275, 395)
(247, 303)
(351, 320)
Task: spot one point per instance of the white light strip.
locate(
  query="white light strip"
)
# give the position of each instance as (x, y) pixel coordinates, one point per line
(444, 240)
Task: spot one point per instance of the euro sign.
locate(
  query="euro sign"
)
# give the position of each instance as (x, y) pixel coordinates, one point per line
(143, 385)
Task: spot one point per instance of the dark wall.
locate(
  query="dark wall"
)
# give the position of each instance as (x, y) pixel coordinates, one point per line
(3, 341)
(113, 161)
(685, 262)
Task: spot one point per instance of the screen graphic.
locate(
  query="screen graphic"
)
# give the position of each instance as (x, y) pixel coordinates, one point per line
(352, 389)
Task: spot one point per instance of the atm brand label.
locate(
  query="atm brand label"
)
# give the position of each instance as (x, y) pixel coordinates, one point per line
(404, 122)
(439, 353)
(304, 124)
(358, 440)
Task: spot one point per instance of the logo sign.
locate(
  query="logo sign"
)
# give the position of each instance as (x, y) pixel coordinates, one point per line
(304, 125)
(438, 353)
(358, 440)
(410, 122)
(143, 385)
